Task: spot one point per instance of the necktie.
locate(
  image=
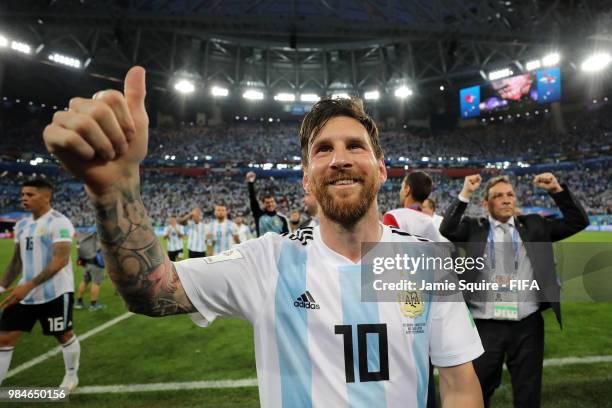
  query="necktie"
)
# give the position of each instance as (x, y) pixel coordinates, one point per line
(507, 250)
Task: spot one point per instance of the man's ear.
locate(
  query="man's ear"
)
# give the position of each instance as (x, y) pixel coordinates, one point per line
(306, 181)
(382, 170)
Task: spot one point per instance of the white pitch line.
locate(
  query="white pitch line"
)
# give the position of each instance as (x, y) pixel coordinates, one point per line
(58, 349)
(553, 362)
(192, 385)
(252, 382)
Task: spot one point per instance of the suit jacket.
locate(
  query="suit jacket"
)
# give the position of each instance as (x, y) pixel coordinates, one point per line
(471, 234)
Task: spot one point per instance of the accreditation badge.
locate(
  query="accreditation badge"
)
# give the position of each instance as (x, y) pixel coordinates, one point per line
(411, 303)
(505, 302)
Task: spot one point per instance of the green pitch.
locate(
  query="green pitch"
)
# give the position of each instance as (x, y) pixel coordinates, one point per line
(141, 350)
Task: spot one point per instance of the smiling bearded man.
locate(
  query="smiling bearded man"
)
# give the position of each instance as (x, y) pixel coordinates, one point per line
(316, 343)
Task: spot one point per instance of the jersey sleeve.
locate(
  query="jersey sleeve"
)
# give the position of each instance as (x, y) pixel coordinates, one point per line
(389, 219)
(454, 337)
(61, 230)
(233, 283)
(17, 230)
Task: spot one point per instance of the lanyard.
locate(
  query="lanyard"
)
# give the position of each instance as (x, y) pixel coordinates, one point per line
(515, 247)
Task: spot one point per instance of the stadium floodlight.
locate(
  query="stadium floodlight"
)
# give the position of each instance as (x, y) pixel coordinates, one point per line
(21, 47)
(284, 97)
(500, 73)
(65, 60)
(4, 42)
(531, 65)
(253, 95)
(551, 59)
(219, 91)
(340, 95)
(184, 86)
(596, 62)
(402, 92)
(442, 88)
(371, 95)
(309, 97)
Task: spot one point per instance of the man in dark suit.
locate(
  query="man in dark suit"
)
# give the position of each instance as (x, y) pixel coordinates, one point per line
(514, 248)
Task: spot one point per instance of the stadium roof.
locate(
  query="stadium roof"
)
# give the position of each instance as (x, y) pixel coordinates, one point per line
(301, 45)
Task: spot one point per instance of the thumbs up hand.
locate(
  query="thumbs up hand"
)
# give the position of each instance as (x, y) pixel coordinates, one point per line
(102, 140)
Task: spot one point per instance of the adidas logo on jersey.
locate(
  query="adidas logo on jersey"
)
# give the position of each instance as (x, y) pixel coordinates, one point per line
(303, 235)
(306, 301)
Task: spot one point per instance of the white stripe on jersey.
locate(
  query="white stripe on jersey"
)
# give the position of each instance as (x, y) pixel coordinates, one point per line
(36, 239)
(304, 301)
(175, 241)
(196, 237)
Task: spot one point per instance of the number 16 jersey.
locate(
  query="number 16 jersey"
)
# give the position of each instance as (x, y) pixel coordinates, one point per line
(316, 343)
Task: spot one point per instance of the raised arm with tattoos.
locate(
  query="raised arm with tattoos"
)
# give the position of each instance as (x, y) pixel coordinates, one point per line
(102, 141)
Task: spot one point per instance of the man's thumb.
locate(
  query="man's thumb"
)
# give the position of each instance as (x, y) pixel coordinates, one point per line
(135, 91)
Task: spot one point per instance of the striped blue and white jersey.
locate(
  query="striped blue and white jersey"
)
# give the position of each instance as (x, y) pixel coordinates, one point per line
(316, 343)
(36, 239)
(222, 235)
(175, 237)
(196, 236)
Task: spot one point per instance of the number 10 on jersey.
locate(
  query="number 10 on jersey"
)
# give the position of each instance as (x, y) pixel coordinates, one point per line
(346, 330)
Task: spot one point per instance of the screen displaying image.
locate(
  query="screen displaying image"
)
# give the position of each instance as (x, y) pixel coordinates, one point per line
(542, 86)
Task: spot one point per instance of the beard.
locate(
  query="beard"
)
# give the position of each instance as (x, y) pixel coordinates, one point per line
(346, 211)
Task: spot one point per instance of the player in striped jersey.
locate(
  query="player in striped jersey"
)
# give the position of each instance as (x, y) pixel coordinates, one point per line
(46, 289)
(221, 231)
(196, 233)
(174, 233)
(328, 350)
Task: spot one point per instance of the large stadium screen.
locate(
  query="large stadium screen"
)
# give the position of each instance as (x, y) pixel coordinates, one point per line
(543, 86)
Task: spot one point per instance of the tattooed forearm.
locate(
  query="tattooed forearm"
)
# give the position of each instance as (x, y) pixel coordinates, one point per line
(61, 257)
(136, 262)
(12, 270)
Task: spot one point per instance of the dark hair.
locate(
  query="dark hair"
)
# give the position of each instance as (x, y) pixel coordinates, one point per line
(432, 201)
(495, 180)
(220, 204)
(269, 196)
(38, 183)
(420, 185)
(328, 108)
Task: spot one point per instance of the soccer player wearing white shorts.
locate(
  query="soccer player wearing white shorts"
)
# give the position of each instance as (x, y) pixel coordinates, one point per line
(45, 292)
(314, 338)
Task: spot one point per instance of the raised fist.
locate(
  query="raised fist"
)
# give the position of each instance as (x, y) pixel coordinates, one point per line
(470, 185)
(548, 182)
(250, 176)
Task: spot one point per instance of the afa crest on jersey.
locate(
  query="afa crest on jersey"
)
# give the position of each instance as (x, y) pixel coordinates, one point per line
(411, 303)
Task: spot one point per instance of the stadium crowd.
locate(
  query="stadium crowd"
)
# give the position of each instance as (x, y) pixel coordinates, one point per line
(242, 144)
(168, 195)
